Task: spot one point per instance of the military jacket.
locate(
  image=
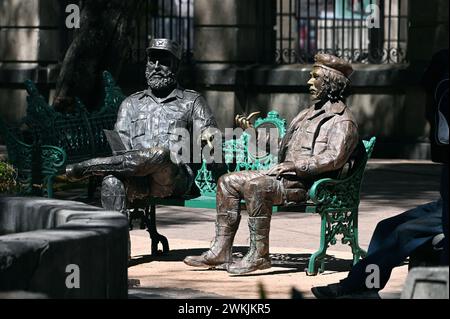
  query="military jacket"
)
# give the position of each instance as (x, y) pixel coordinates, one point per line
(145, 121)
(320, 140)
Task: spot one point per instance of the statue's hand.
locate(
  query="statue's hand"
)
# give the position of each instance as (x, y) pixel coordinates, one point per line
(281, 168)
(207, 136)
(243, 121)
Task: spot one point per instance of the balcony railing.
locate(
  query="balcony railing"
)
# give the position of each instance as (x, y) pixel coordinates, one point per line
(342, 28)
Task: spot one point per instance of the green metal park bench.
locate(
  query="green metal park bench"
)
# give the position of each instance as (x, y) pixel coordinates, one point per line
(78, 135)
(36, 164)
(337, 203)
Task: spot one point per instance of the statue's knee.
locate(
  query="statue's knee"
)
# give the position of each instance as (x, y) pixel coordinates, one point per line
(112, 185)
(161, 153)
(251, 188)
(226, 181)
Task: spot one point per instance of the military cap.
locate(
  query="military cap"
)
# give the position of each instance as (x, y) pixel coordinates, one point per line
(165, 44)
(333, 63)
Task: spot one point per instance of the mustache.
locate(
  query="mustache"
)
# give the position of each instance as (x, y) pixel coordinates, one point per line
(151, 71)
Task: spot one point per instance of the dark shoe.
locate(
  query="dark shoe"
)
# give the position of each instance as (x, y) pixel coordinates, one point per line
(332, 291)
(335, 291)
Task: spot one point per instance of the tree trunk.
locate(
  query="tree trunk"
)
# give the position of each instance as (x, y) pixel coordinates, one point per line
(103, 42)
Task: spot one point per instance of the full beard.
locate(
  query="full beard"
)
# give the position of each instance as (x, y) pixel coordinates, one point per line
(160, 81)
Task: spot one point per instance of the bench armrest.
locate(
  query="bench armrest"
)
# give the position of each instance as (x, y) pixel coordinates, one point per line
(53, 159)
(337, 194)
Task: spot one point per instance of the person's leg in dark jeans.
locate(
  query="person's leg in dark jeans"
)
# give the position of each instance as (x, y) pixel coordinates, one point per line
(392, 242)
(444, 195)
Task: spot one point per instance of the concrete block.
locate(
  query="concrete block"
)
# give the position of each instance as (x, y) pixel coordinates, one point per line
(426, 283)
(40, 237)
(229, 44)
(230, 12)
(12, 105)
(29, 45)
(19, 44)
(19, 13)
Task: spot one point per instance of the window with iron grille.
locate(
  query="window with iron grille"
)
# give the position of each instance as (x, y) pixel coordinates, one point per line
(340, 27)
(171, 19)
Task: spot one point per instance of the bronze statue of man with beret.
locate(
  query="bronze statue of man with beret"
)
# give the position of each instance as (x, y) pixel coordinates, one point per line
(147, 124)
(317, 144)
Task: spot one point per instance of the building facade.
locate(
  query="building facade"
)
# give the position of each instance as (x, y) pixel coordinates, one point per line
(256, 55)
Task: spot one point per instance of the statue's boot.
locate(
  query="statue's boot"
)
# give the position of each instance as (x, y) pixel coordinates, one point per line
(113, 197)
(133, 163)
(96, 166)
(220, 252)
(257, 258)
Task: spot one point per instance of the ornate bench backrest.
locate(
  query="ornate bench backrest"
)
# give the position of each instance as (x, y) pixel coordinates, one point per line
(343, 194)
(239, 154)
(80, 134)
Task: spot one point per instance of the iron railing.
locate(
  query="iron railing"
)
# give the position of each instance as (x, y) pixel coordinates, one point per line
(171, 19)
(161, 18)
(339, 27)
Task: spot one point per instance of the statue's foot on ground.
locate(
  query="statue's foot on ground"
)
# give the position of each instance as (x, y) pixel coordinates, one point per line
(206, 261)
(245, 266)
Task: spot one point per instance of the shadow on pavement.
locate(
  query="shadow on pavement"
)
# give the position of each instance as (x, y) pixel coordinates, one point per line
(292, 262)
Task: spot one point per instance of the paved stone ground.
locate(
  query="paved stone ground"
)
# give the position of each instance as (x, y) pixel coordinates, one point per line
(390, 187)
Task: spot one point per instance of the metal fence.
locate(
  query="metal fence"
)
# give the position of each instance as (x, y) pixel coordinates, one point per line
(171, 19)
(160, 18)
(342, 28)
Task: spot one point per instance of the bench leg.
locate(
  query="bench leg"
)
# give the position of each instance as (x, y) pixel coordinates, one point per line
(93, 183)
(357, 251)
(50, 186)
(156, 238)
(332, 224)
(320, 254)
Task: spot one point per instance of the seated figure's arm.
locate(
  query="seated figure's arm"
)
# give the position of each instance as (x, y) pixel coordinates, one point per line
(203, 120)
(123, 121)
(343, 139)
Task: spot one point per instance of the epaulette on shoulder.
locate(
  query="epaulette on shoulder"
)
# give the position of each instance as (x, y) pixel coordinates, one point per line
(189, 91)
(137, 94)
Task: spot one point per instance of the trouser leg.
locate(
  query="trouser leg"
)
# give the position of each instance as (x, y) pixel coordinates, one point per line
(260, 195)
(401, 234)
(132, 163)
(445, 212)
(229, 194)
(113, 197)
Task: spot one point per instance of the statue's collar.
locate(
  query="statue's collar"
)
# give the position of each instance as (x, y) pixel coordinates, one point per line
(328, 108)
(176, 93)
(335, 107)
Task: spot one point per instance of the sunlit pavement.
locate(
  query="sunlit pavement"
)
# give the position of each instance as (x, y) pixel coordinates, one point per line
(390, 187)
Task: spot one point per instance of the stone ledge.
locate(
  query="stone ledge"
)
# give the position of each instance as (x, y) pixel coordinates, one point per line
(215, 74)
(57, 233)
(427, 283)
(296, 75)
(17, 73)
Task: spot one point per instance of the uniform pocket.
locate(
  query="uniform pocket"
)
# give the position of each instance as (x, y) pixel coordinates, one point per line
(320, 146)
(139, 125)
